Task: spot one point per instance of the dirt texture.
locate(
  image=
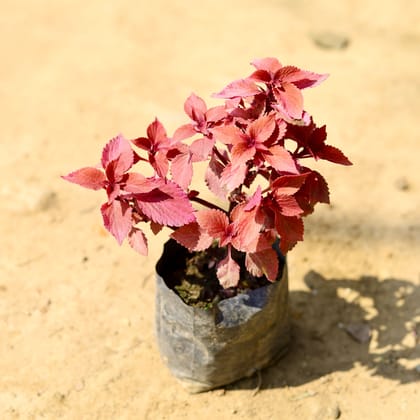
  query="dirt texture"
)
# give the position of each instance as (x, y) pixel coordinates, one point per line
(76, 310)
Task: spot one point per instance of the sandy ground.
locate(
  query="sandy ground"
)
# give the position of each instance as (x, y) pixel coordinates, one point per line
(76, 311)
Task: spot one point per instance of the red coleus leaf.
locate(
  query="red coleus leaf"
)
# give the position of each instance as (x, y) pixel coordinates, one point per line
(270, 69)
(156, 137)
(182, 170)
(255, 200)
(290, 230)
(91, 178)
(263, 263)
(227, 134)
(195, 108)
(289, 100)
(287, 205)
(155, 227)
(192, 237)
(158, 146)
(228, 271)
(167, 205)
(300, 78)
(214, 222)
(247, 225)
(314, 190)
(246, 145)
(333, 154)
(242, 152)
(139, 184)
(238, 89)
(233, 176)
(138, 241)
(289, 184)
(213, 178)
(268, 64)
(200, 149)
(216, 114)
(119, 154)
(184, 132)
(261, 129)
(311, 140)
(117, 217)
(281, 159)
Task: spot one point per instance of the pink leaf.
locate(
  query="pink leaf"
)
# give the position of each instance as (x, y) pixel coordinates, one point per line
(242, 152)
(227, 134)
(269, 64)
(182, 170)
(263, 263)
(192, 237)
(167, 205)
(289, 184)
(119, 151)
(157, 133)
(216, 114)
(138, 241)
(238, 89)
(160, 163)
(281, 159)
(213, 178)
(291, 99)
(300, 78)
(156, 138)
(233, 176)
(91, 178)
(195, 108)
(255, 200)
(262, 128)
(288, 205)
(213, 221)
(200, 149)
(184, 132)
(138, 184)
(228, 271)
(117, 217)
(143, 143)
(262, 76)
(247, 226)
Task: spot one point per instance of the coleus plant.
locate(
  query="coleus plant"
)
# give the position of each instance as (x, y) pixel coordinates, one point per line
(262, 180)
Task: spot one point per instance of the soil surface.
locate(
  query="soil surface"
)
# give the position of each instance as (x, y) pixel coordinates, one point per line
(76, 310)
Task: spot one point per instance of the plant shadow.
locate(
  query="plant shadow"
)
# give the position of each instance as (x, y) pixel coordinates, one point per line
(389, 309)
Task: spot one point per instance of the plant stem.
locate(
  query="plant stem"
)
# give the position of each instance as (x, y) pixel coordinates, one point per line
(219, 155)
(206, 203)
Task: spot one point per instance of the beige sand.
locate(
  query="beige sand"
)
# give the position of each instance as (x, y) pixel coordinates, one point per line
(76, 311)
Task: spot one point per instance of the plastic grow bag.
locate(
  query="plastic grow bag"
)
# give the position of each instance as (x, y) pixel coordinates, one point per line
(209, 348)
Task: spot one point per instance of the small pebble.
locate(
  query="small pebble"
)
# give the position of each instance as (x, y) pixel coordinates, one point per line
(402, 184)
(331, 412)
(418, 368)
(359, 331)
(330, 40)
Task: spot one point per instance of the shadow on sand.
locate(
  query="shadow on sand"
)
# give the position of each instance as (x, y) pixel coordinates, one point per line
(320, 344)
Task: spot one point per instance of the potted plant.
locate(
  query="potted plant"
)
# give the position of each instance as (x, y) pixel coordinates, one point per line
(222, 278)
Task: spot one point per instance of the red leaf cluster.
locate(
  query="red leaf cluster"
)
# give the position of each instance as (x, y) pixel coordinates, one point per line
(261, 178)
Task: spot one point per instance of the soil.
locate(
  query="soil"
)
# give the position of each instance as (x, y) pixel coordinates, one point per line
(193, 275)
(76, 311)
